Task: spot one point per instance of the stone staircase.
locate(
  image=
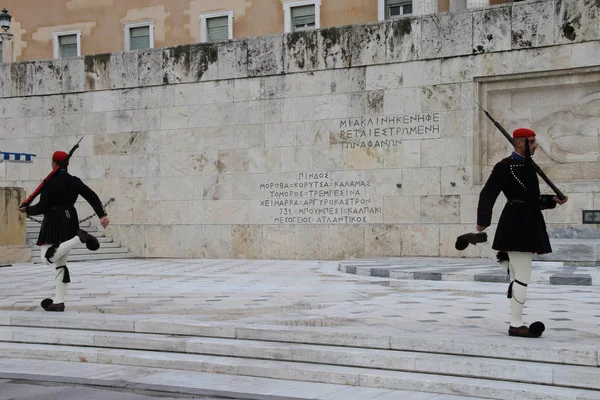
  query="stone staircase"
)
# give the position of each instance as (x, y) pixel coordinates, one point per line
(574, 246)
(361, 357)
(108, 250)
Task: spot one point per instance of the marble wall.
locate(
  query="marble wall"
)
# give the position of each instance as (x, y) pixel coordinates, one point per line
(13, 240)
(344, 142)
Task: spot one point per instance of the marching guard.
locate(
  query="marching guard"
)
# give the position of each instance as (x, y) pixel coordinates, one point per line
(60, 231)
(521, 229)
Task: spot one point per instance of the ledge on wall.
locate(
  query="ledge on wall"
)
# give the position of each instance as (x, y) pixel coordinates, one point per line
(532, 25)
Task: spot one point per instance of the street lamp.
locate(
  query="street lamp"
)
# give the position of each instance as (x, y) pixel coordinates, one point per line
(5, 18)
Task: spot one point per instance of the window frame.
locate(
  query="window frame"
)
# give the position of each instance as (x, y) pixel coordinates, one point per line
(215, 14)
(138, 24)
(382, 7)
(56, 42)
(287, 11)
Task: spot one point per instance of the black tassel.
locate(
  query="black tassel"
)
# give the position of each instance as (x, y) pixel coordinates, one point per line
(66, 275)
(509, 293)
(527, 152)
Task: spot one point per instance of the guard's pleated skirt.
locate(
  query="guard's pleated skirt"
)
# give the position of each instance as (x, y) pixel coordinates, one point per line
(59, 225)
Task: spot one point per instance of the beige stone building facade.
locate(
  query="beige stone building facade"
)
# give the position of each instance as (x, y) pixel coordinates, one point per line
(54, 28)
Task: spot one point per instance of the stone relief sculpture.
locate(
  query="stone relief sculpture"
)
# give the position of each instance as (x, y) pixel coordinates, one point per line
(572, 135)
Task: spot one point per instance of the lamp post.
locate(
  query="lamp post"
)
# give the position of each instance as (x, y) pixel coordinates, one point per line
(6, 37)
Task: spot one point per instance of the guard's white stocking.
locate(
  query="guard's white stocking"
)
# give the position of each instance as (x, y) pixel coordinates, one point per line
(61, 287)
(63, 249)
(486, 249)
(521, 263)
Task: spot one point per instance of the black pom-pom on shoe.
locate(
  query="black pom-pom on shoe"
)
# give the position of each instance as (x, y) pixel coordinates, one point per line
(536, 329)
(90, 241)
(46, 303)
(502, 256)
(463, 241)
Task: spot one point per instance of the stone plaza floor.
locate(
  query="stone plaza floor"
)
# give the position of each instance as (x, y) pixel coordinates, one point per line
(300, 293)
(306, 294)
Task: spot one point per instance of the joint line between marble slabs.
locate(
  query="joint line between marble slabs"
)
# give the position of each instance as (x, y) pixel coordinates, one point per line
(69, 328)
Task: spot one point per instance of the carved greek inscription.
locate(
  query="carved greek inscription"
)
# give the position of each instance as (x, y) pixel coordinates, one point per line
(388, 131)
(316, 198)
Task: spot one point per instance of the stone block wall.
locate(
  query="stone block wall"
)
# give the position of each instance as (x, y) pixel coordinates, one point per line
(344, 142)
(13, 239)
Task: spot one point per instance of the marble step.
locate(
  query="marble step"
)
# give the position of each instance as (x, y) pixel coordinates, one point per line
(178, 383)
(101, 236)
(582, 252)
(94, 257)
(498, 347)
(392, 360)
(93, 231)
(104, 245)
(84, 251)
(308, 372)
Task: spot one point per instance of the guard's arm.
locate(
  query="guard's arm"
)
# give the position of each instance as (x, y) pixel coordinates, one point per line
(489, 194)
(92, 198)
(42, 205)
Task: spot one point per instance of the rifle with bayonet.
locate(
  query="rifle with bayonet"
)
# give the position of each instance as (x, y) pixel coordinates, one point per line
(34, 194)
(537, 169)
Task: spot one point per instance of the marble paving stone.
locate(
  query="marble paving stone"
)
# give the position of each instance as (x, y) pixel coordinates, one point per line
(301, 335)
(358, 393)
(148, 360)
(532, 25)
(363, 358)
(491, 30)
(265, 56)
(52, 336)
(444, 35)
(116, 324)
(247, 349)
(17, 350)
(6, 334)
(211, 329)
(575, 279)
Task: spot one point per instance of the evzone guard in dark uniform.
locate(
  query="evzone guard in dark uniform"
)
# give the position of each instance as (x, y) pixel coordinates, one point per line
(60, 232)
(521, 229)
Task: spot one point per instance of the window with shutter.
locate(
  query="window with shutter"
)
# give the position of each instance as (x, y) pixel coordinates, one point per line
(139, 38)
(68, 46)
(395, 8)
(303, 18)
(217, 29)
